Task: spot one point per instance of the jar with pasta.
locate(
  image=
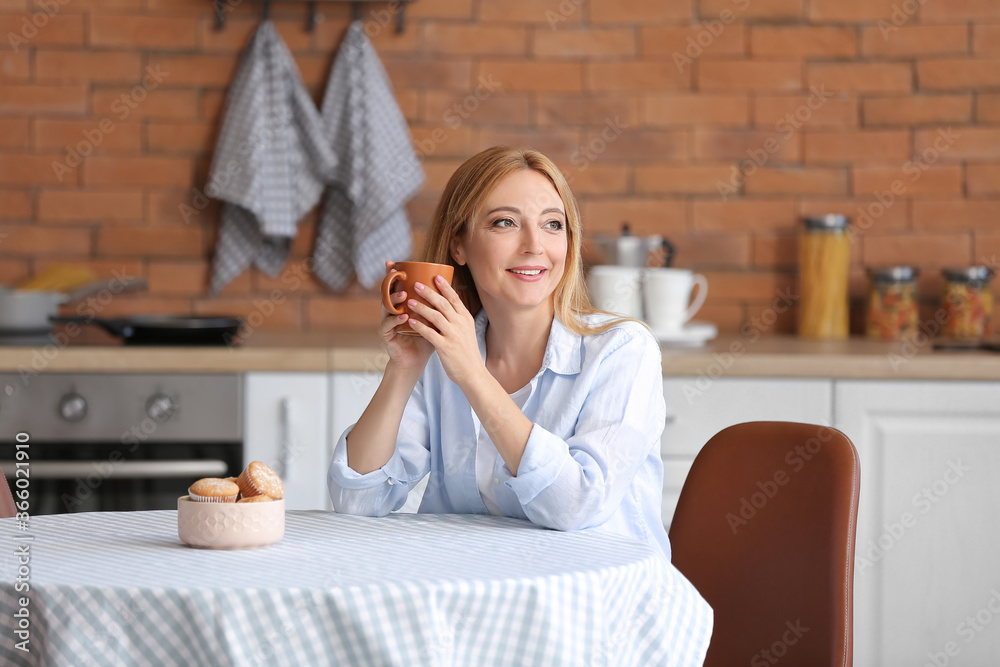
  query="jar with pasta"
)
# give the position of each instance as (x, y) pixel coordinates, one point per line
(893, 310)
(824, 259)
(968, 303)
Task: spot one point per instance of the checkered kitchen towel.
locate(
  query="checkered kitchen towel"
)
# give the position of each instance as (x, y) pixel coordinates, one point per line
(363, 220)
(270, 163)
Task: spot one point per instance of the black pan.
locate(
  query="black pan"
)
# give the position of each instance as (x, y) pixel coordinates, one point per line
(166, 329)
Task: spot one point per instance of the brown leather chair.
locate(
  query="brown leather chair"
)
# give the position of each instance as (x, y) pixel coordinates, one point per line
(765, 530)
(7, 508)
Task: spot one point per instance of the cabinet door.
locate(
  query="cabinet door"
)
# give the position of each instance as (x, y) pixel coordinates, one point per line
(927, 569)
(699, 407)
(286, 426)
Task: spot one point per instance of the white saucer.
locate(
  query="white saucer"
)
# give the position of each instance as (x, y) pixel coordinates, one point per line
(692, 334)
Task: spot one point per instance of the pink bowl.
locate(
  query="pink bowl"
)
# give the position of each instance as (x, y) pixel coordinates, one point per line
(230, 525)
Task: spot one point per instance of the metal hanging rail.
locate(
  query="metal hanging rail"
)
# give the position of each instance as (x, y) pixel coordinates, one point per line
(398, 7)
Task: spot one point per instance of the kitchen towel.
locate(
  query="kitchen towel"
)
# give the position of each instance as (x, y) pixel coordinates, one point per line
(271, 161)
(363, 220)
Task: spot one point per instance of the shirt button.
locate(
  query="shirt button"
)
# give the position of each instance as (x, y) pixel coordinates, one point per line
(391, 481)
(496, 481)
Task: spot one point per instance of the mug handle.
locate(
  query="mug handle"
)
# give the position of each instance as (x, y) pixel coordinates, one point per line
(387, 288)
(699, 298)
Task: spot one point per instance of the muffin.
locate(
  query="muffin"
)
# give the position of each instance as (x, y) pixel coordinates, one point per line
(213, 490)
(258, 479)
(256, 499)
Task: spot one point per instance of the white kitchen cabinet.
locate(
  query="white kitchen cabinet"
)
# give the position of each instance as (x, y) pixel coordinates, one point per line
(286, 425)
(927, 569)
(700, 407)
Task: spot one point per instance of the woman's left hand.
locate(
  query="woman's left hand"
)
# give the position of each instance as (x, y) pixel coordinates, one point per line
(453, 333)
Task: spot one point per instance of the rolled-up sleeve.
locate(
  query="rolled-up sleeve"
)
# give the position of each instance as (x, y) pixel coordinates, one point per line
(383, 490)
(580, 482)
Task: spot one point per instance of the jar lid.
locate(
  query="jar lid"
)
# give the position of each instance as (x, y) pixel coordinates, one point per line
(893, 274)
(829, 221)
(976, 275)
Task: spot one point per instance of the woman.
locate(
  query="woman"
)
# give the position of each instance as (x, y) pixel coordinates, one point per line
(518, 398)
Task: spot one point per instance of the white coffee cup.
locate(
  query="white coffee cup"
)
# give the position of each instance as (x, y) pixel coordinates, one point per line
(667, 298)
(617, 289)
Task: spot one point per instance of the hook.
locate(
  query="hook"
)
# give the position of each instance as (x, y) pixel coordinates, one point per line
(265, 13)
(355, 11)
(311, 19)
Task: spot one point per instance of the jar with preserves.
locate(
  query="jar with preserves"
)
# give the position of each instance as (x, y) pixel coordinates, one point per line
(893, 309)
(824, 259)
(968, 303)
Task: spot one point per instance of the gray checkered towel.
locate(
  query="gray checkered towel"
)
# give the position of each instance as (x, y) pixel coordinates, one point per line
(363, 220)
(270, 163)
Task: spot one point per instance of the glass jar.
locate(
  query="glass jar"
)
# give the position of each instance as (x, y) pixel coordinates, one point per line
(824, 259)
(893, 309)
(968, 303)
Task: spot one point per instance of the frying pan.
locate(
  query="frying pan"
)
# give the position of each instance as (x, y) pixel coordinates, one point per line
(167, 329)
(28, 311)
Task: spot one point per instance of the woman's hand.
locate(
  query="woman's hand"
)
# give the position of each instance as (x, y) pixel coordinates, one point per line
(451, 330)
(406, 352)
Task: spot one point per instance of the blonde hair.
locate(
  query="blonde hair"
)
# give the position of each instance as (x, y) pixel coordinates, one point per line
(462, 201)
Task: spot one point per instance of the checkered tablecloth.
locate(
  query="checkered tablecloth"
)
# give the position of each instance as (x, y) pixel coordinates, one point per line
(119, 588)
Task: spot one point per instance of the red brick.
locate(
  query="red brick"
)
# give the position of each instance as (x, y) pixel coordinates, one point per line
(735, 75)
(776, 250)
(987, 249)
(427, 72)
(910, 180)
(680, 43)
(988, 108)
(21, 169)
(958, 73)
(757, 285)
(874, 146)
(701, 251)
(148, 171)
(681, 179)
(14, 271)
(639, 11)
(42, 29)
(982, 179)
(966, 143)
(555, 13)
(235, 38)
(120, 104)
(864, 211)
(560, 145)
(179, 137)
(178, 208)
(752, 9)
(190, 278)
(802, 42)
(744, 215)
(83, 66)
(329, 313)
(466, 39)
(955, 10)
(15, 67)
(144, 32)
(149, 242)
(862, 77)
(599, 179)
(633, 146)
(645, 215)
(29, 240)
(786, 113)
(581, 43)
(924, 250)
(294, 277)
(986, 39)
(442, 141)
(448, 108)
(587, 110)
(914, 40)
(15, 204)
(800, 181)
(71, 206)
(212, 103)
(956, 214)
(83, 135)
(14, 133)
(42, 99)
(694, 109)
(533, 76)
(851, 11)
(285, 315)
(184, 71)
(639, 76)
(908, 110)
(745, 144)
(127, 305)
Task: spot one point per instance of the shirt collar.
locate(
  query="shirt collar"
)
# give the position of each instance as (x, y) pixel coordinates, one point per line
(562, 351)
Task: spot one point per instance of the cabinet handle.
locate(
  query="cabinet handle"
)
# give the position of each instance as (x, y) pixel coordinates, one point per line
(284, 437)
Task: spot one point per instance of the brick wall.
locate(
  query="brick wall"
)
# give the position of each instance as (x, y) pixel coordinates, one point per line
(715, 122)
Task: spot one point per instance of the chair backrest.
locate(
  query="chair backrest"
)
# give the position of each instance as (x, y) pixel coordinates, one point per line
(7, 508)
(765, 530)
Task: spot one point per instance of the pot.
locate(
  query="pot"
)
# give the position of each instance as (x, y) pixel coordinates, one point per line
(29, 311)
(637, 252)
(167, 329)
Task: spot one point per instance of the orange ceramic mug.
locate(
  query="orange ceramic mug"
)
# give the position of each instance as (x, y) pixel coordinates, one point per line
(407, 273)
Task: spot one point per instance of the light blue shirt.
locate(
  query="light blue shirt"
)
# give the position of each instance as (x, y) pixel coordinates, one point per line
(592, 459)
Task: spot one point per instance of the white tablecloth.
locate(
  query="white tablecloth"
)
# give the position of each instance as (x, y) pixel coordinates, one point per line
(119, 588)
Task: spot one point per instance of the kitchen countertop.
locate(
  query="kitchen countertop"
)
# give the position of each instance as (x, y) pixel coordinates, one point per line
(358, 350)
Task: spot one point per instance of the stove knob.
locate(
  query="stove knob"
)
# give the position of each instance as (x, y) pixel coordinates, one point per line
(160, 407)
(73, 407)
